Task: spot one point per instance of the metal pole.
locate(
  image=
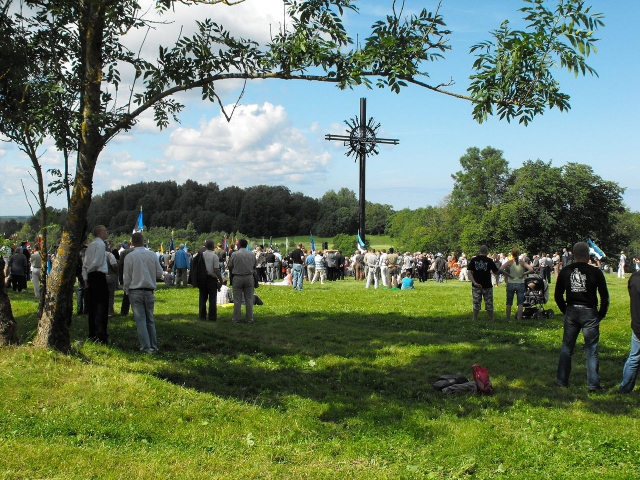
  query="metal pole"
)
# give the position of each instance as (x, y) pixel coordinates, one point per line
(363, 159)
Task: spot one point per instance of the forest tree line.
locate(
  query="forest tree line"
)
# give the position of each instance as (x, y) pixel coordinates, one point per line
(537, 207)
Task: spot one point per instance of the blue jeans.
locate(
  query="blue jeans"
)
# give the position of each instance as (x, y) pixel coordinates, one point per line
(578, 318)
(518, 289)
(142, 304)
(630, 370)
(297, 271)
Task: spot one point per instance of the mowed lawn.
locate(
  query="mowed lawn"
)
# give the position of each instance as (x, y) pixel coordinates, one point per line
(332, 382)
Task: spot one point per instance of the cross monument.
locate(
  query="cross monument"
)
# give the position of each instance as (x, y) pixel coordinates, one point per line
(362, 141)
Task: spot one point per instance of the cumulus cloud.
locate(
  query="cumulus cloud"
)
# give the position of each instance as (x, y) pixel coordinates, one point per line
(259, 146)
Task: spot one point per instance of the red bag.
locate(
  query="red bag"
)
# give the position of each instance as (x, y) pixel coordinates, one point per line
(481, 376)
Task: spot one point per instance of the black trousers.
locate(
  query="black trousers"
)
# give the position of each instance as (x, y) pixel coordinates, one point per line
(208, 292)
(98, 306)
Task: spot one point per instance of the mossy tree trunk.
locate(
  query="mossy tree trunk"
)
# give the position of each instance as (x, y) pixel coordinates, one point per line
(53, 327)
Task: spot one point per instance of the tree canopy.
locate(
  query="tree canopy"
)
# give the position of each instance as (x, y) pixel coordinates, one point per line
(78, 48)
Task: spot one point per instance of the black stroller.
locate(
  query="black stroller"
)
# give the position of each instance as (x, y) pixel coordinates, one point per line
(535, 297)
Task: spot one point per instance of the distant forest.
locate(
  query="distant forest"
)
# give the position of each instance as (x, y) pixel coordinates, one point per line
(255, 211)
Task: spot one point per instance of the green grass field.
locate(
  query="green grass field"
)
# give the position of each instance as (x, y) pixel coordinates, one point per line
(332, 382)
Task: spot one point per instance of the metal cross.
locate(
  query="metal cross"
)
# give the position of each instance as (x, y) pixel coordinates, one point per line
(362, 141)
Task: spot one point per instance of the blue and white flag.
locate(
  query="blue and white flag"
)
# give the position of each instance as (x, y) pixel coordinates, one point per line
(360, 242)
(139, 223)
(313, 244)
(595, 250)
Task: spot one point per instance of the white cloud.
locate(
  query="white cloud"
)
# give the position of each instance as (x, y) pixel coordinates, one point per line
(258, 146)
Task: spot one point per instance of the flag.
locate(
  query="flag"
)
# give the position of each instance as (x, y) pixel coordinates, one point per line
(139, 223)
(286, 247)
(161, 249)
(595, 250)
(172, 246)
(313, 244)
(360, 242)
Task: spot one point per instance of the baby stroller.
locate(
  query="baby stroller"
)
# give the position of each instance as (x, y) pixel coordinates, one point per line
(535, 296)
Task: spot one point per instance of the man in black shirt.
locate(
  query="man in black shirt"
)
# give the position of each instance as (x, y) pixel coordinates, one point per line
(576, 294)
(296, 257)
(480, 269)
(630, 371)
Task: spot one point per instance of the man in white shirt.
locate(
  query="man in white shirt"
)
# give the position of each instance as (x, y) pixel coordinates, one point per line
(94, 276)
(141, 271)
(621, 264)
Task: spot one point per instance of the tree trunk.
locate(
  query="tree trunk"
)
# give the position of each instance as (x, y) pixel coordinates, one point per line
(8, 325)
(53, 327)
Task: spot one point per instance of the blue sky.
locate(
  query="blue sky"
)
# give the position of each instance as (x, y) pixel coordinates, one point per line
(277, 133)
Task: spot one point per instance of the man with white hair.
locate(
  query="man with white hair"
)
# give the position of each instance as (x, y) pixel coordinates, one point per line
(94, 275)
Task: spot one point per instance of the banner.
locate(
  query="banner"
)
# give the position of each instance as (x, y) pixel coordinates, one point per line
(139, 223)
(595, 250)
(313, 244)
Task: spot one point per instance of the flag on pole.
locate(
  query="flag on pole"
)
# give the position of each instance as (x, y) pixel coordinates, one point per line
(139, 223)
(161, 249)
(313, 244)
(171, 244)
(595, 250)
(360, 242)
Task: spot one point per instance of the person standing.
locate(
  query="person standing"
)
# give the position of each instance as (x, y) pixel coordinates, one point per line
(515, 269)
(310, 264)
(630, 370)
(94, 275)
(126, 304)
(480, 270)
(182, 266)
(36, 268)
(373, 264)
(18, 268)
(208, 281)
(241, 266)
(296, 259)
(318, 267)
(621, 264)
(576, 294)
(141, 271)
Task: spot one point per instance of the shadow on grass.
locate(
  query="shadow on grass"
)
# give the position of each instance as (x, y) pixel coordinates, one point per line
(379, 366)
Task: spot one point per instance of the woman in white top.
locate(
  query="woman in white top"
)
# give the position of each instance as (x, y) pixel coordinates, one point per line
(514, 270)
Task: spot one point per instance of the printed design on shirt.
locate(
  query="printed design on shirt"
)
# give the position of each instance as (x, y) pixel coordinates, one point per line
(481, 265)
(578, 281)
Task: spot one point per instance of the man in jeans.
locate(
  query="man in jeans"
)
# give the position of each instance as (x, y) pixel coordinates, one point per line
(141, 271)
(576, 294)
(630, 371)
(296, 258)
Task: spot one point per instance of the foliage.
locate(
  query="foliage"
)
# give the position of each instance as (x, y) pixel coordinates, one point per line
(83, 45)
(338, 213)
(345, 243)
(331, 383)
(515, 69)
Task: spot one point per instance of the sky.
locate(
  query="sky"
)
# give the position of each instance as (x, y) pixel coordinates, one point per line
(277, 133)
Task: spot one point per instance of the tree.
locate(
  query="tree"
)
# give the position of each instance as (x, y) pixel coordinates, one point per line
(377, 217)
(313, 46)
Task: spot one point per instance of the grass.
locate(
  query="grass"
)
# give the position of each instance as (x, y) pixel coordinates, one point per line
(333, 382)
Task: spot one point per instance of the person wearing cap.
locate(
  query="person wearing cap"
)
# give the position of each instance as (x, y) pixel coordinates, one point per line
(439, 268)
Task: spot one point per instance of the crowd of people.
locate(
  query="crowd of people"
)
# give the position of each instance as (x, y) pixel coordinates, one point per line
(581, 291)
